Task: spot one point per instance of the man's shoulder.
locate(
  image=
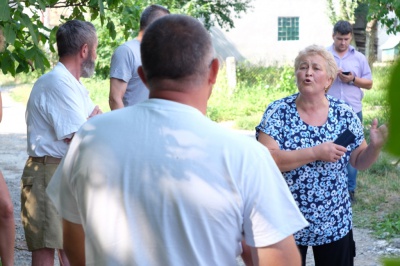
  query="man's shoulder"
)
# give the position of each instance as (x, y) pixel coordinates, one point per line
(357, 53)
(55, 82)
(131, 45)
(238, 140)
(129, 50)
(58, 73)
(330, 48)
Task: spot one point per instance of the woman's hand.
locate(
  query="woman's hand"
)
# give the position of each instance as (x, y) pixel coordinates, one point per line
(365, 155)
(329, 152)
(378, 135)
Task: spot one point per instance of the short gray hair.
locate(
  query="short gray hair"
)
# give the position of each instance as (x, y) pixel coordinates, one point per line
(73, 34)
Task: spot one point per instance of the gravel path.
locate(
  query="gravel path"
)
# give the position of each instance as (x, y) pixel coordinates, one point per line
(13, 157)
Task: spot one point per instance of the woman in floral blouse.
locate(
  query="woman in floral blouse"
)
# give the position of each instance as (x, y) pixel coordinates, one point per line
(299, 131)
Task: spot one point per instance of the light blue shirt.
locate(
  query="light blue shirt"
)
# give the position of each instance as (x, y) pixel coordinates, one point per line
(124, 64)
(355, 62)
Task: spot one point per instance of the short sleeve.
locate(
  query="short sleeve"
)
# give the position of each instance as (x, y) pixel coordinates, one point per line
(365, 69)
(272, 122)
(122, 63)
(266, 194)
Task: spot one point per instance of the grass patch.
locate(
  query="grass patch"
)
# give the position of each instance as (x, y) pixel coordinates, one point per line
(378, 198)
(99, 90)
(256, 88)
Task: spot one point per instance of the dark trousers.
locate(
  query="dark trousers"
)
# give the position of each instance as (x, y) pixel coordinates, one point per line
(338, 253)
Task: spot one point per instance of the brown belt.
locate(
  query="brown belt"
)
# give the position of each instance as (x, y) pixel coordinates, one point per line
(45, 160)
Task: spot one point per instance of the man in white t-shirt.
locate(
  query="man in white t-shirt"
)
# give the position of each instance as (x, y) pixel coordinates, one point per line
(159, 183)
(57, 107)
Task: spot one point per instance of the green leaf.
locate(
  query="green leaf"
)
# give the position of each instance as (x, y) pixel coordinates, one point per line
(46, 62)
(4, 10)
(42, 4)
(39, 64)
(27, 23)
(22, 68)
(111, 29)
(30, 54)
(394, 120)
(43, 38)
(101, 6)
(7, 64)
(9, 33)
(23, 65)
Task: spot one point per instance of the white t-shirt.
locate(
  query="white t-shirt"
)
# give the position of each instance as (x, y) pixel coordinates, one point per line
(159, 183)
(57, 107)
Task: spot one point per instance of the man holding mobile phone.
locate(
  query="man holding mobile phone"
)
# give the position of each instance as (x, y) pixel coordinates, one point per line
(354, 74)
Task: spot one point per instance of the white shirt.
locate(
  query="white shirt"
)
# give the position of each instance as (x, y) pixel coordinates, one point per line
(57, 107)
(158, 183)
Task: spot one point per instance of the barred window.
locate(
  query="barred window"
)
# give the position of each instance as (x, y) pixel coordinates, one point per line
(288, 28)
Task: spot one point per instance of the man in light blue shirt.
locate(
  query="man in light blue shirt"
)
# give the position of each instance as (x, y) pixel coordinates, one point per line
(354, 73)
(126, 87)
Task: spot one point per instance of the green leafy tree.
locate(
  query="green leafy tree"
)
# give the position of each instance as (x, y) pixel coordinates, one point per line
(352, 10)
(387, 12)
(29, 40)
(342, 10)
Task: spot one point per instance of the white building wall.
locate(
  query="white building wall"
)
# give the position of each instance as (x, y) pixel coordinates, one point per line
(255, 36)
(382, 39)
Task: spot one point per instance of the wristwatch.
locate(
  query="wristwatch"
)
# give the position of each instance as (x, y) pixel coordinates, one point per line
(352, 82)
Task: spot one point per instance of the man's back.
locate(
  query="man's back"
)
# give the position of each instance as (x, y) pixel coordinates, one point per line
(124, 63)
(158, 183)
(184, 200)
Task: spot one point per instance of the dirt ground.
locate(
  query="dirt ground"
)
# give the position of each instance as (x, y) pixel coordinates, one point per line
(13, 156)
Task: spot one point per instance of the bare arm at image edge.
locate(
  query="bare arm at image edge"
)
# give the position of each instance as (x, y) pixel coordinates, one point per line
(283, 253)
(117, 91)
(74, 243)
(7, 225)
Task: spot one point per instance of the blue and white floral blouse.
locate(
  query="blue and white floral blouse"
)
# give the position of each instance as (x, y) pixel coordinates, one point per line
(319, 188)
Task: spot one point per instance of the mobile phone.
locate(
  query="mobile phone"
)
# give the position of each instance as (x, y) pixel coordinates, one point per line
(346, 72)
(345, 138)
